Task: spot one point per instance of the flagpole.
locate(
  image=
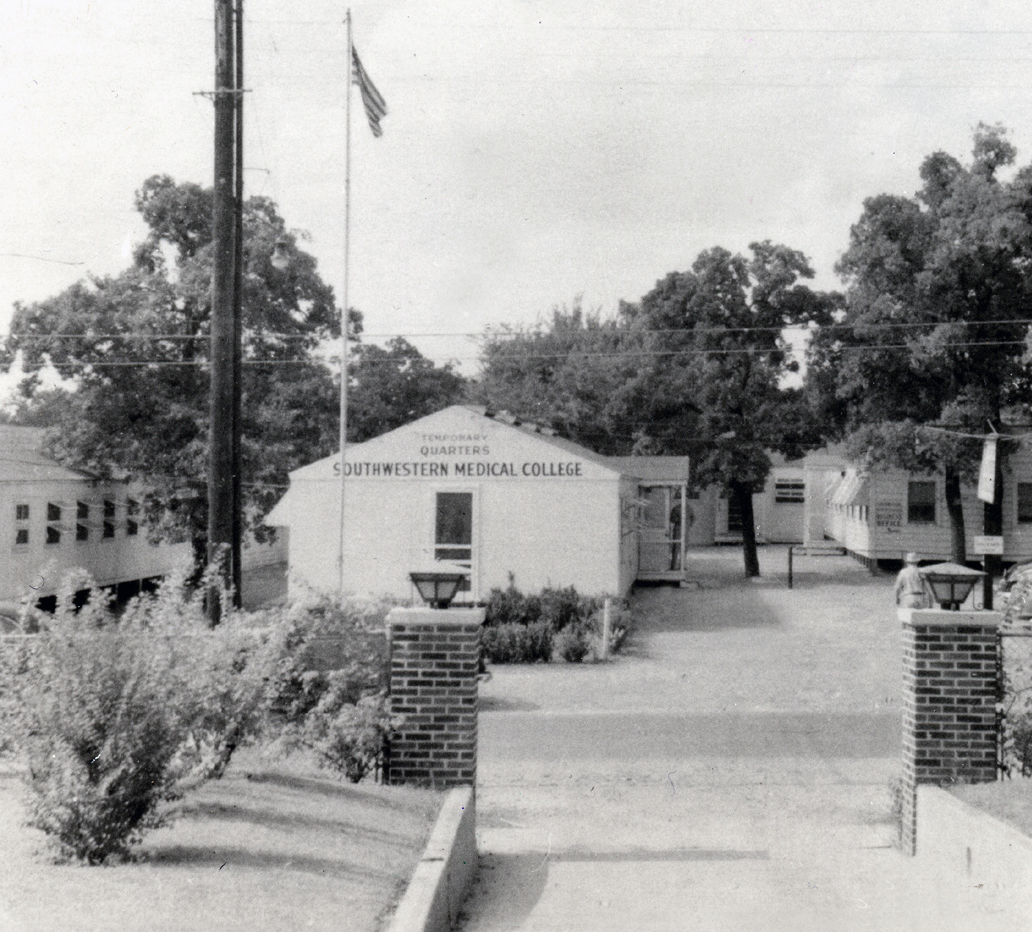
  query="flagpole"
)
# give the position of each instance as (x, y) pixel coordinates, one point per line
(344, 308)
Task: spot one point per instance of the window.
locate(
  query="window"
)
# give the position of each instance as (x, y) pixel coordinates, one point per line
(132, 509)
(1024, 502)
(21, 530)
(453, 532)
(734, 515)
(53, 523)
(109, 519)
(921, 502)
(453, 537)
(789, 491)
(82, 521)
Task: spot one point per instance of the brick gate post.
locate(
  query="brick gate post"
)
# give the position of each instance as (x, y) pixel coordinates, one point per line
(435, 665)
(949, 704)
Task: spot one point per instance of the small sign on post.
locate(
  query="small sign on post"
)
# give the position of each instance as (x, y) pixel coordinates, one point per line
(984, 544)
(987, 545)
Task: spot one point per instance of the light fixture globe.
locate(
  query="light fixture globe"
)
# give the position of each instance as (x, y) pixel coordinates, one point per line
(950, 583)
(437, 589)
(280, 258)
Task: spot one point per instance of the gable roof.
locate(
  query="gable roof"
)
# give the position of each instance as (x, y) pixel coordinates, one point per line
(22, 459)
(544, 434)
(453, 422)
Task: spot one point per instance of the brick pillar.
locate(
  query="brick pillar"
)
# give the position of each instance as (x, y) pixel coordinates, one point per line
(435, 660)
(949, 704)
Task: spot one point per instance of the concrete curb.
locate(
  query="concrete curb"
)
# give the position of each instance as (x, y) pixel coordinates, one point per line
(965, 845)
(444, 874)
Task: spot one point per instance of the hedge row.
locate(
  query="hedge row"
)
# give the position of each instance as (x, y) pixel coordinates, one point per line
(556, 624)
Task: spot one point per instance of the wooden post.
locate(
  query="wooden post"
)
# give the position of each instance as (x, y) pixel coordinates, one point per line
(236, 563)
(221, 425)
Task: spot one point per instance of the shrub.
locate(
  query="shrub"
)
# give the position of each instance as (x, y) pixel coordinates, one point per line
(525, 628)
(510, 606)
(323, 635)
(114, 717)
(573, 643)
(561, 608)
(330, 683)
(349, 737)
(1015, 706)
(512, 642)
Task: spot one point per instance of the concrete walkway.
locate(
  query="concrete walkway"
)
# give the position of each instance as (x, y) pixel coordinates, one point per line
(729, 771)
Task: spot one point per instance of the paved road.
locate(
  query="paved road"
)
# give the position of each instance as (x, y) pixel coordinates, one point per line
(729, 771)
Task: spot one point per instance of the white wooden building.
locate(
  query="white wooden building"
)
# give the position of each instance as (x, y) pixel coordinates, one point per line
(885, 514)
(56, 519)
(778, 511)
(497, 497)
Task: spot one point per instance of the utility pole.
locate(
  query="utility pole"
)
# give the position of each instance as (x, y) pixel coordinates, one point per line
(222, 446)
(238, 291)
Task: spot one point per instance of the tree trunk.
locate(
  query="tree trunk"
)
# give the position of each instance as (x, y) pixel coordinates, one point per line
(743, 496)
(955, 510)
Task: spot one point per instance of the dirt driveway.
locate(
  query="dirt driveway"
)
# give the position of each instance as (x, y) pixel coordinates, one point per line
(729, 771)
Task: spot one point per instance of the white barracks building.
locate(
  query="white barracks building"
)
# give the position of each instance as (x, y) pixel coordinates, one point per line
(489, 494)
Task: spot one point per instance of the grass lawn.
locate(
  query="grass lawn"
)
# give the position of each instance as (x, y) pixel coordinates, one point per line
(271, 846)
(1009, 801)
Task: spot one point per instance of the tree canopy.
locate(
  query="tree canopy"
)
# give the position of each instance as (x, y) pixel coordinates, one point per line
(696, 368)
(934, 325)
(135, 348)
(569, 372)
(389, 387)
(712, 381)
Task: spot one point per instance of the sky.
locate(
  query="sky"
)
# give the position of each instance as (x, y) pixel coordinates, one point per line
(533, 152)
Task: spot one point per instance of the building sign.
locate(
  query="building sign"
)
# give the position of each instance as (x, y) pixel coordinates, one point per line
(467, 469)
(459, 455)
(888, 516)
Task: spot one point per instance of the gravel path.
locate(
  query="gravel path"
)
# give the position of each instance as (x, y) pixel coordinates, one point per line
(729, 770)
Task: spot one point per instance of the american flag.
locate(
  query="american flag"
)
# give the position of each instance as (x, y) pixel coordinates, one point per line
(372, 99)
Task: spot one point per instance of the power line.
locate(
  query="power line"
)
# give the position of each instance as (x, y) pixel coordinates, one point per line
(501, 357)
(534, 333)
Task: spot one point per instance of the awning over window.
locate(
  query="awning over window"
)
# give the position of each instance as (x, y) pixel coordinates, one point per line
(852, 490)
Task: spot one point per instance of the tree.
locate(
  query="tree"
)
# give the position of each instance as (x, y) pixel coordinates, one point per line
(934, 325)
(136, 349)
(568, 373)
(390, 387)
(695, 368)
(711, 383)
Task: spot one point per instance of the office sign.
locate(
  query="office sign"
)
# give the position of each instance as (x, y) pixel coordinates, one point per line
(985, 544)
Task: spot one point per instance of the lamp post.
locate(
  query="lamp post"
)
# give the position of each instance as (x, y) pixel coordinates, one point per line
(950, 583)
(437, 589)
